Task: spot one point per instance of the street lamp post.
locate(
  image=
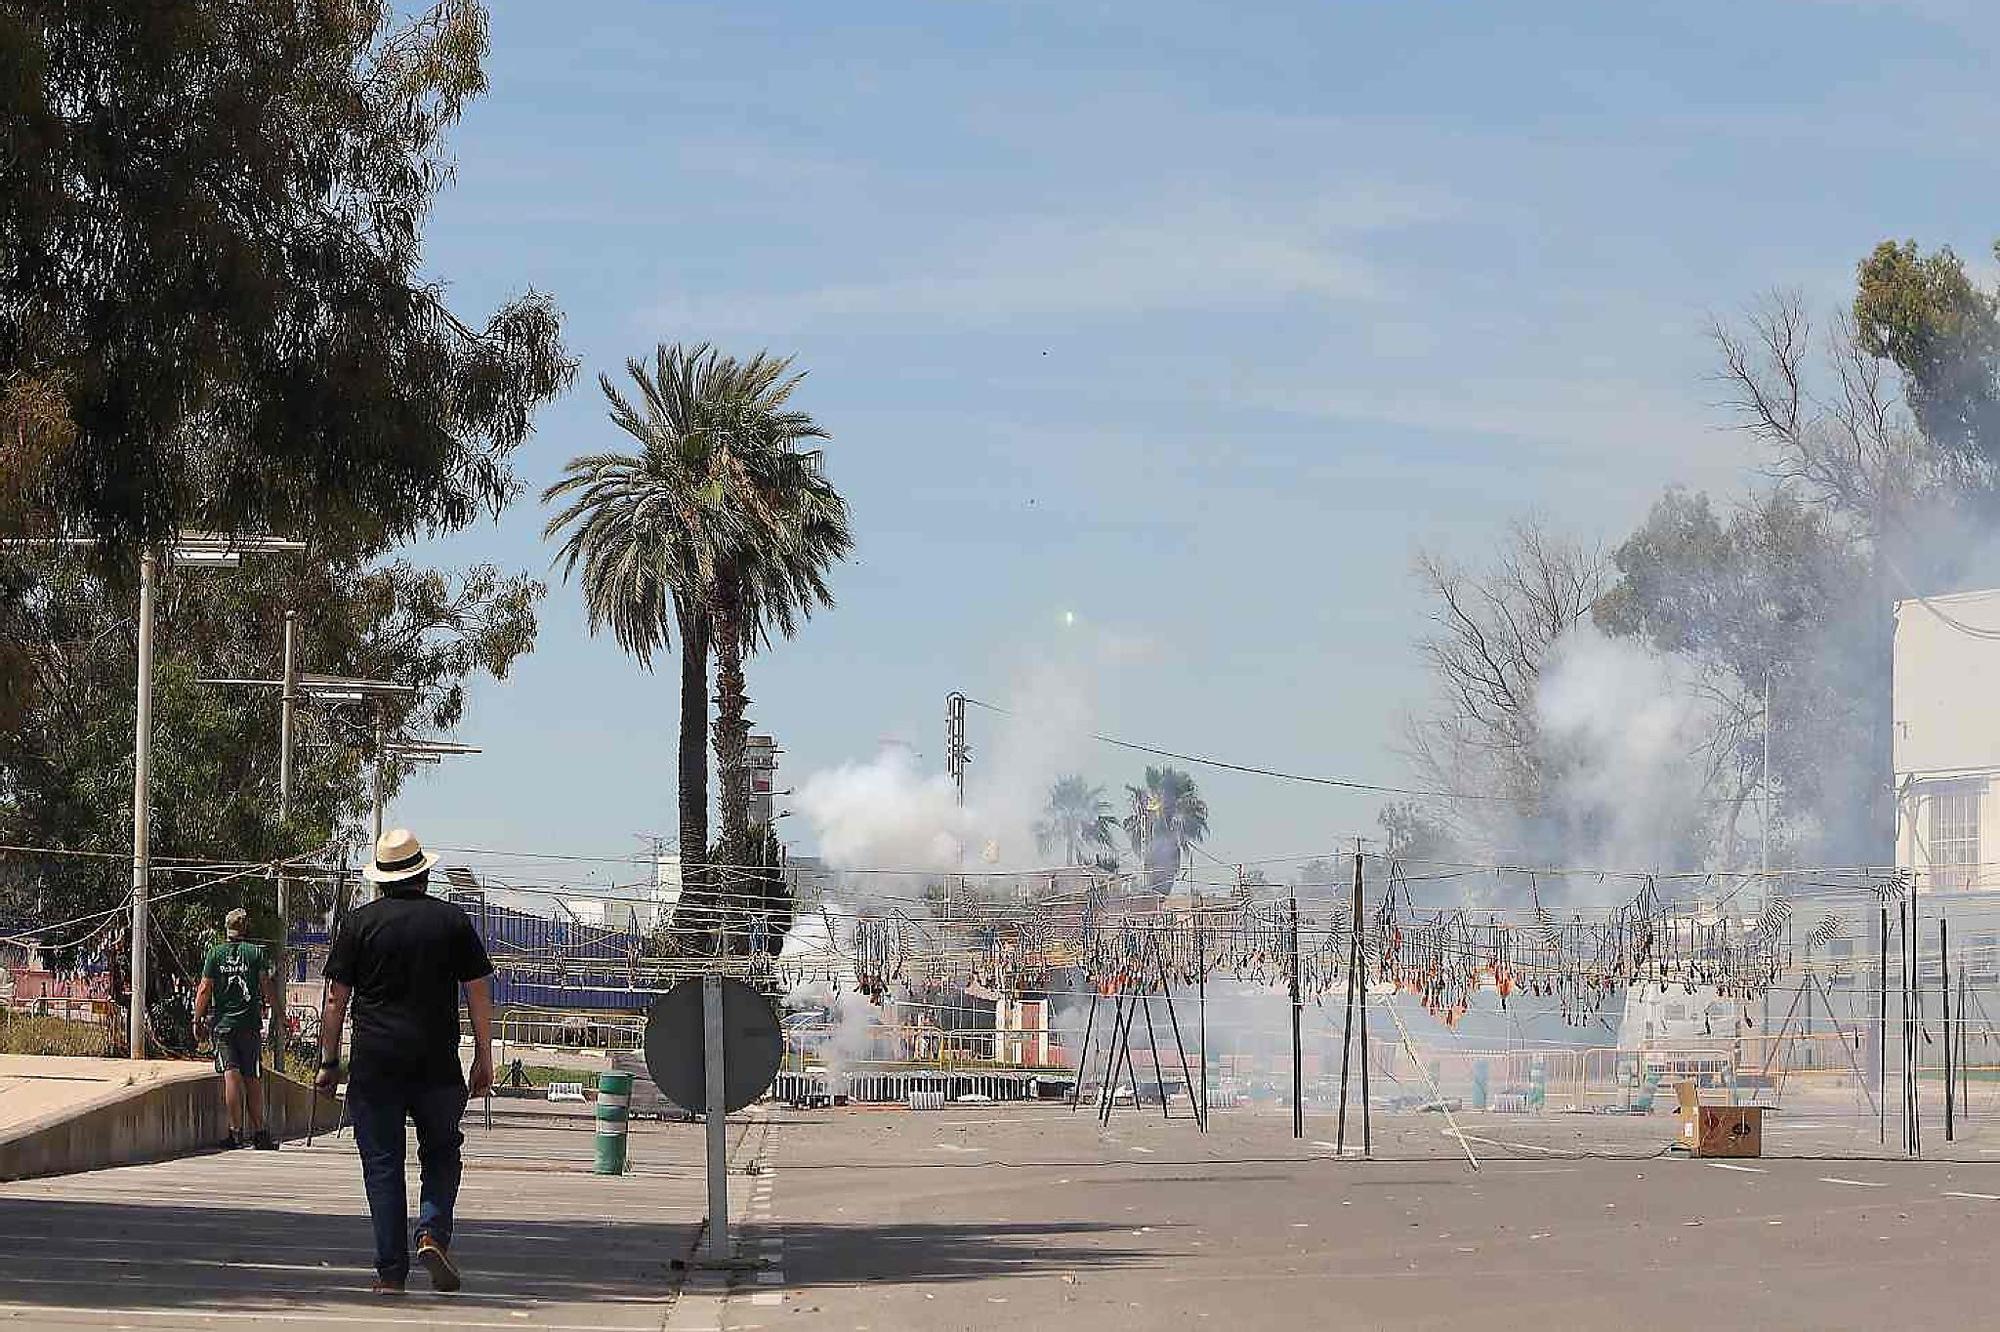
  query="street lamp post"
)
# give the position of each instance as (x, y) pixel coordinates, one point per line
(195, 549)
(142, 764)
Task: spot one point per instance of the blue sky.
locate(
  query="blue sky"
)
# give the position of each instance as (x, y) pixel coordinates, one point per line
(1194, 320)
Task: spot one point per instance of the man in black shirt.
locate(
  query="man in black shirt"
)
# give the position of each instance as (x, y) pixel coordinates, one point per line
(401, 960)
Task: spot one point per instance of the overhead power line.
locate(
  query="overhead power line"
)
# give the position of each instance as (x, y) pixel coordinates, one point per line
(1342, 783)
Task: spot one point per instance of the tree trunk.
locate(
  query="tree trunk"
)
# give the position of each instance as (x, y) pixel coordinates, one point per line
(693, 768)
(731, 733)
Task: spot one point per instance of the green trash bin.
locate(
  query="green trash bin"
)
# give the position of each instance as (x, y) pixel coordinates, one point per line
(614, 1098)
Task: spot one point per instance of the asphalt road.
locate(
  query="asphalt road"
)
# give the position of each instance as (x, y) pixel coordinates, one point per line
(1034, 1216)
(1037, 1218)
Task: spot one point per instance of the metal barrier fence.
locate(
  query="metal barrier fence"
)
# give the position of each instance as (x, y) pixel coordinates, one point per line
(555, 1028)
(899, 1086)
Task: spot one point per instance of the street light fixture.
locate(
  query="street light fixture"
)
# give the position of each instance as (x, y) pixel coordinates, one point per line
(409, 749)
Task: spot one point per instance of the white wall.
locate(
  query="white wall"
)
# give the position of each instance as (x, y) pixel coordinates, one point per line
(1946, 720)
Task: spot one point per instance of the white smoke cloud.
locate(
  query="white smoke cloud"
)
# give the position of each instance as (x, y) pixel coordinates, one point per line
(854, 1026)
(1620, 729)
(885, 814)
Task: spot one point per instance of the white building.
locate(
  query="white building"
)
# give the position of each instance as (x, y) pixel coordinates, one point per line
(666, 883)
(1945, 727)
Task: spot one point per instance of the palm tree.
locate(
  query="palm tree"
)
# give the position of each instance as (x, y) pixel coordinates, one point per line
(793, 528)
(1168, 817)
(1077, 816)
(655, 531)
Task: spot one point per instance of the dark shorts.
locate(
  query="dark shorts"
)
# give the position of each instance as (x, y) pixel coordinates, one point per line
(241, 1051)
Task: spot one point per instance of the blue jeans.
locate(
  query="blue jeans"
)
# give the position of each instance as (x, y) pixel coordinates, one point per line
(377, 1110)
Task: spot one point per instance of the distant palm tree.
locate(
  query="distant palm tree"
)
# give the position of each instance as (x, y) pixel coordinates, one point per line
(719, 527)
(1168, 816)
(1077, 817)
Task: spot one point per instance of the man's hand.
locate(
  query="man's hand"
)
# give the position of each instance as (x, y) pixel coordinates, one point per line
(328, 1079)
(481, 1081)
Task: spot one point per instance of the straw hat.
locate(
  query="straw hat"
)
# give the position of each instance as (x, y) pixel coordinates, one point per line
(398, 856)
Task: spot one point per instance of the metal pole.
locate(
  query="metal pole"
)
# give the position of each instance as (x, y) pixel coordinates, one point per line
(1167, 993)
(718, 1119)
(1964, 1025)
(380, 756)
(1111, 1053)
(1201, 995)
(1914, 1000)
(1944, 986)
(1361, 1012)
(1153, 1042)
(1882, 1029)
(1083, 1053)
(1764, 837)
(280, 1016)
(1347, 1018)
(1298, 1057)
(142, 771)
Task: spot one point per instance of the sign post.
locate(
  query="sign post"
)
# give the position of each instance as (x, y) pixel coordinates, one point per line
(713, 1044)
(718, 1119)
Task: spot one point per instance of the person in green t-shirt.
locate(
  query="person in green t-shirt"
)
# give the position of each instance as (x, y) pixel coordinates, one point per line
(236, 984)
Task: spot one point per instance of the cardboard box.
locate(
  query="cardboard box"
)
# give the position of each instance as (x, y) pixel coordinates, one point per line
(1717, 1130)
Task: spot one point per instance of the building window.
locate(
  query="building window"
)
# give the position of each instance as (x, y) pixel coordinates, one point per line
(1954, 837)
(1983, 958)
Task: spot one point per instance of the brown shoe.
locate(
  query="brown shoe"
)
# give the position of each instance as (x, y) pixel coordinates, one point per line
(438, 1263)
(384, 1286)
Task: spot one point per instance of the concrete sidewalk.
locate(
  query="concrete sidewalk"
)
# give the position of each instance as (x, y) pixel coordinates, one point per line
(35, 1089)
(242, 1237)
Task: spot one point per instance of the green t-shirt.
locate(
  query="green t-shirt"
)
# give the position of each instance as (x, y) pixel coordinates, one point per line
(237, 969)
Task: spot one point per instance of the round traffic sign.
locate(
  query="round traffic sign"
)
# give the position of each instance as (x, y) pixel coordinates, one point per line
(751, 1045)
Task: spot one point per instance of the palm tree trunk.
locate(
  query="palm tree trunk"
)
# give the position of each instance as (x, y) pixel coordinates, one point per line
(731, 734)
(694, 755)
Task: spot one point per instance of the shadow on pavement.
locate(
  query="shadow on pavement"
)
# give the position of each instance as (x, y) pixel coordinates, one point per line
(828, 1255)
(92, 1254)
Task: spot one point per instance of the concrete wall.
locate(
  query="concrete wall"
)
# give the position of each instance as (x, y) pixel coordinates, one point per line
(153, 1123)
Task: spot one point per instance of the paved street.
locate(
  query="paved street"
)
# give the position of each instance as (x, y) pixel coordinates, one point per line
(222, 1240)
(1037, 1218)
(1015, 1216)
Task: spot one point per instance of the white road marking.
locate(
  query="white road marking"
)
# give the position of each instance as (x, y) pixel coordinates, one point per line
(268, 1315)
(767, 1297)
(1983, 1197)
(1857, 1183)
(1748, 1170)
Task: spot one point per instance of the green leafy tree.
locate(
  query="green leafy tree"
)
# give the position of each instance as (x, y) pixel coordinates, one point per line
(1925, 314)
(211, 261)
(1771, 601)
(1167, 818)
(1076, 819)
(66, 767)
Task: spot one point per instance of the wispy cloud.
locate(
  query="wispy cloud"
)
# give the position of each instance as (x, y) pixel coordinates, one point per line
(1210, 254)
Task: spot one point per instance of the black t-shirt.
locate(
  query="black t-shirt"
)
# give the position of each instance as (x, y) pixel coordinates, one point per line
(405, 954)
